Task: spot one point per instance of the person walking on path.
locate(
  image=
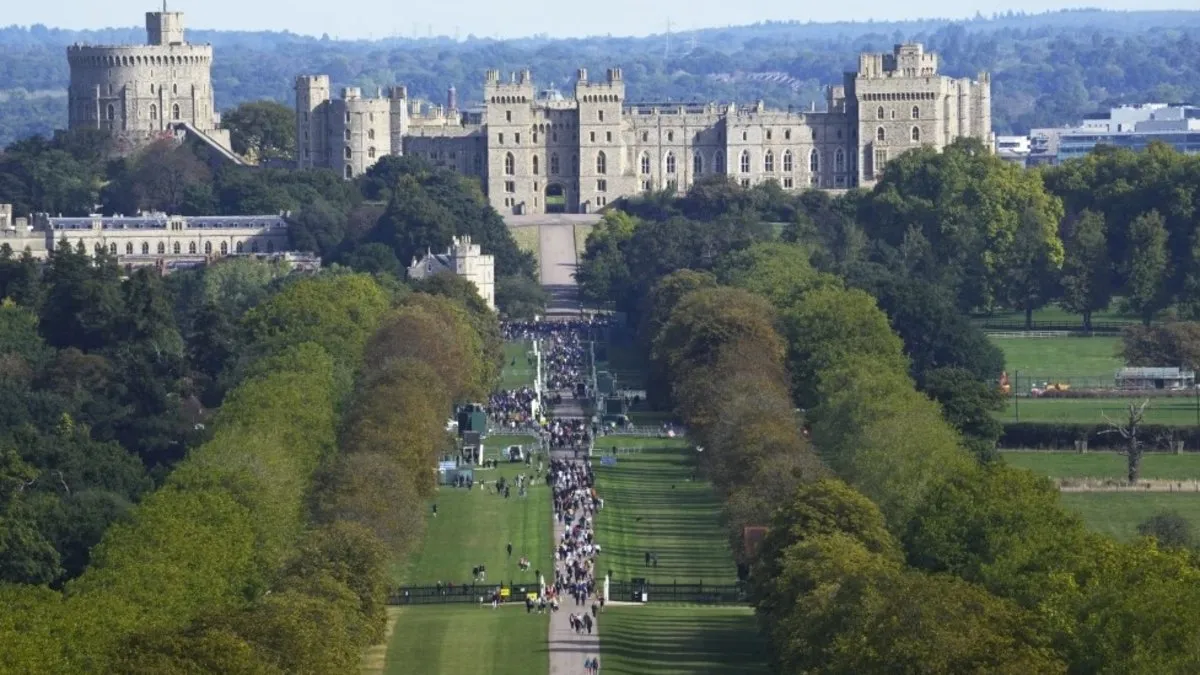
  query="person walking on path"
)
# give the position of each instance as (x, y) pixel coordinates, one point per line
(509, 547)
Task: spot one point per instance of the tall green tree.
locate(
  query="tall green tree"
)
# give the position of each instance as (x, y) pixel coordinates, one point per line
(262, 130)
(1146, 266)
(1087, 269)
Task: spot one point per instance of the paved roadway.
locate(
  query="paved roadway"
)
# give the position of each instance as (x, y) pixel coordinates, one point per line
(557, 255)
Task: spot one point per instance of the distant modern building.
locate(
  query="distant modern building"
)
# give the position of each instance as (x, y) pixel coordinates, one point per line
(1013, 149)
(1155, 378)
(466, 260)
(536, 150)
(152, 239)
(1132, 126)
(143, 93)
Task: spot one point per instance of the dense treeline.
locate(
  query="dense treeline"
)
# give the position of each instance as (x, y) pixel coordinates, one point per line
(399, 209)
(891, 546)
(1048, 69)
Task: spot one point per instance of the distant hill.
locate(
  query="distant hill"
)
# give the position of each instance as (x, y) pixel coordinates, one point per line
(1046, 68)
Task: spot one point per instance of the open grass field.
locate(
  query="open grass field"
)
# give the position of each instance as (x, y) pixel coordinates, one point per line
(1104, 465)
(1118, 514)
(669, 640)
(651, 504)
(518, 371)
(1175, 410)
(528, 238)
(472, 528)
(468, 640)
(1061, 357)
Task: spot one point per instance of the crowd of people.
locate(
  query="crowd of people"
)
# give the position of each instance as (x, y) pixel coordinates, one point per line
(512, 409)
(575, 506)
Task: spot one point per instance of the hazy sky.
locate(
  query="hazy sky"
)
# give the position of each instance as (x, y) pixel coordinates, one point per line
(509, 18)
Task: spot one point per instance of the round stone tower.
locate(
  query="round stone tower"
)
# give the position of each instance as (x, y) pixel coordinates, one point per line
(143, 92)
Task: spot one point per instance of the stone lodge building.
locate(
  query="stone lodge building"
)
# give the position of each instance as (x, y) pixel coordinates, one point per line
(143, 93)
(466, 260)
(537, 151)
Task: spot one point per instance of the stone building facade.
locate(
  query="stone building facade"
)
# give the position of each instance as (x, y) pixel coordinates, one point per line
(538, 151)
(466, 260)
(146, 239)
(141, 93)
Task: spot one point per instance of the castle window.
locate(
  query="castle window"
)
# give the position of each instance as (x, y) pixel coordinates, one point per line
(916, 135)
(175, 111)
(208, 248)
(192, 248)
(602, 185)
(645, 163)
(788, 183)
(916, 112)
(535, 165)
(517, 138)
(371, 117)
(769, 162)
(370, 134)
(745, 136)
(814, 134)
(814, 161)
(600, 115)
(346, 134)
(175, 248)
(839, 161)
(601, 163)
(880, 134)
(371, 153)
(162, 248)
(893, 114)
(175, 89)
(535, 136)
(719, 162)
(608, 137)
(510, 186)
(787, 134)
(697, 164)
(347, 117)
(554, 164)
(128, 248)
(670, 162)
(500, 138)
(787, 161)
(592, 136)
(349, 172)
(238, 247)
(224, 248)
(110, 112)
(153, 112)
(744, 163)
(879, 113)
(646, 186)
(112, 248)
(510, 164)
(645, 136)
(152, 88)
(254, 247)
(670, 136)
(145, 248)
(347, 152)
(507, 115)
(768, 134)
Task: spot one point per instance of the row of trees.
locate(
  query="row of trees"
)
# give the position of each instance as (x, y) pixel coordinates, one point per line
(217, 570)
(898, 542)
(1115, 228)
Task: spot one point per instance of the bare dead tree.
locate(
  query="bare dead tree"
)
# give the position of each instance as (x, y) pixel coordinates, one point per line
(1134, 446)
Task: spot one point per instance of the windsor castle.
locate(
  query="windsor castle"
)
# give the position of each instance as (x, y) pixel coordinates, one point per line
(539, 151)
(536, 150)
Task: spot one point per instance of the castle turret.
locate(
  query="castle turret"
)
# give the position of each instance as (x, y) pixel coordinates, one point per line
(451, 99)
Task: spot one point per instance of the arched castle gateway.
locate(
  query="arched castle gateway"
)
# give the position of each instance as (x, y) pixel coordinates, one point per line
(538, 151)
(140, 93)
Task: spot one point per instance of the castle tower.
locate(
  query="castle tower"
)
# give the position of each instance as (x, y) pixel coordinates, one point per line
(510, 158)
(141, 93)
(602, 161)
(312, 124)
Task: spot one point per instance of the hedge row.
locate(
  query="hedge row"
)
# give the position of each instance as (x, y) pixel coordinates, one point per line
(1062, 436)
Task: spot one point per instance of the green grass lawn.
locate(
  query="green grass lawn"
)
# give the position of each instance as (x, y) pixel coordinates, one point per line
(1104, 465)
(528, 238)
(472, 528)
(650, 504)
(518, 371)
(1059, 359)
(664, 640)
(1175, 410)
(581, 234)
(465, 639)
(1118, 514)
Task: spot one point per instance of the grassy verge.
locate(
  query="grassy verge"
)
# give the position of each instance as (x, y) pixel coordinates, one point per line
(457, 639)
(651, 504)
(1105, 465)
(518, 371)
(474, 526)
(1118, 514)
(1061, 358)
(581, 234)
(528, 238)
(666, 640)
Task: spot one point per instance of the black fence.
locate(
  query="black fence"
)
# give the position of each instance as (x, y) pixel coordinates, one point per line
(466, 593)
(701, 593)
(1017, 325)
